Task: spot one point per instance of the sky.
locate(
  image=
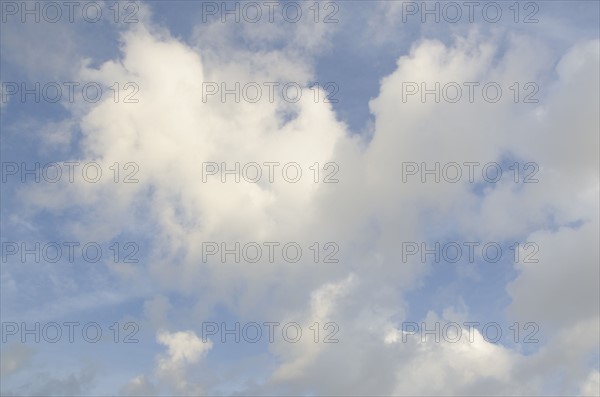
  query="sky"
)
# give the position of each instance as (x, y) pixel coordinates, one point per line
(299, 198)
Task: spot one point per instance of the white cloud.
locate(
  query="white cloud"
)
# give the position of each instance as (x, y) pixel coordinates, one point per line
(184, 349)
(170, 132)
(139, 386)
(592, 385)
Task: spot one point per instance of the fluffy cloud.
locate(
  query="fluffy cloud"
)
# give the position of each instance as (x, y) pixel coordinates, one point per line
(172, 131)
(184, 349)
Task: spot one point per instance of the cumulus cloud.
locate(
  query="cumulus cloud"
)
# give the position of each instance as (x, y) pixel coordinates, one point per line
(172, 131)
(184, 349)
(139, 386)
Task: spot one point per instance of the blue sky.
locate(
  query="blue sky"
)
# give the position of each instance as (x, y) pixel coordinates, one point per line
(168, 52)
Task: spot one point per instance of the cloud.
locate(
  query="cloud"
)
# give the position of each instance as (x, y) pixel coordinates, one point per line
(171, 131)
(184, 348)
(592, 385)
(44, 383)
(14, 358)
(139, 386)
